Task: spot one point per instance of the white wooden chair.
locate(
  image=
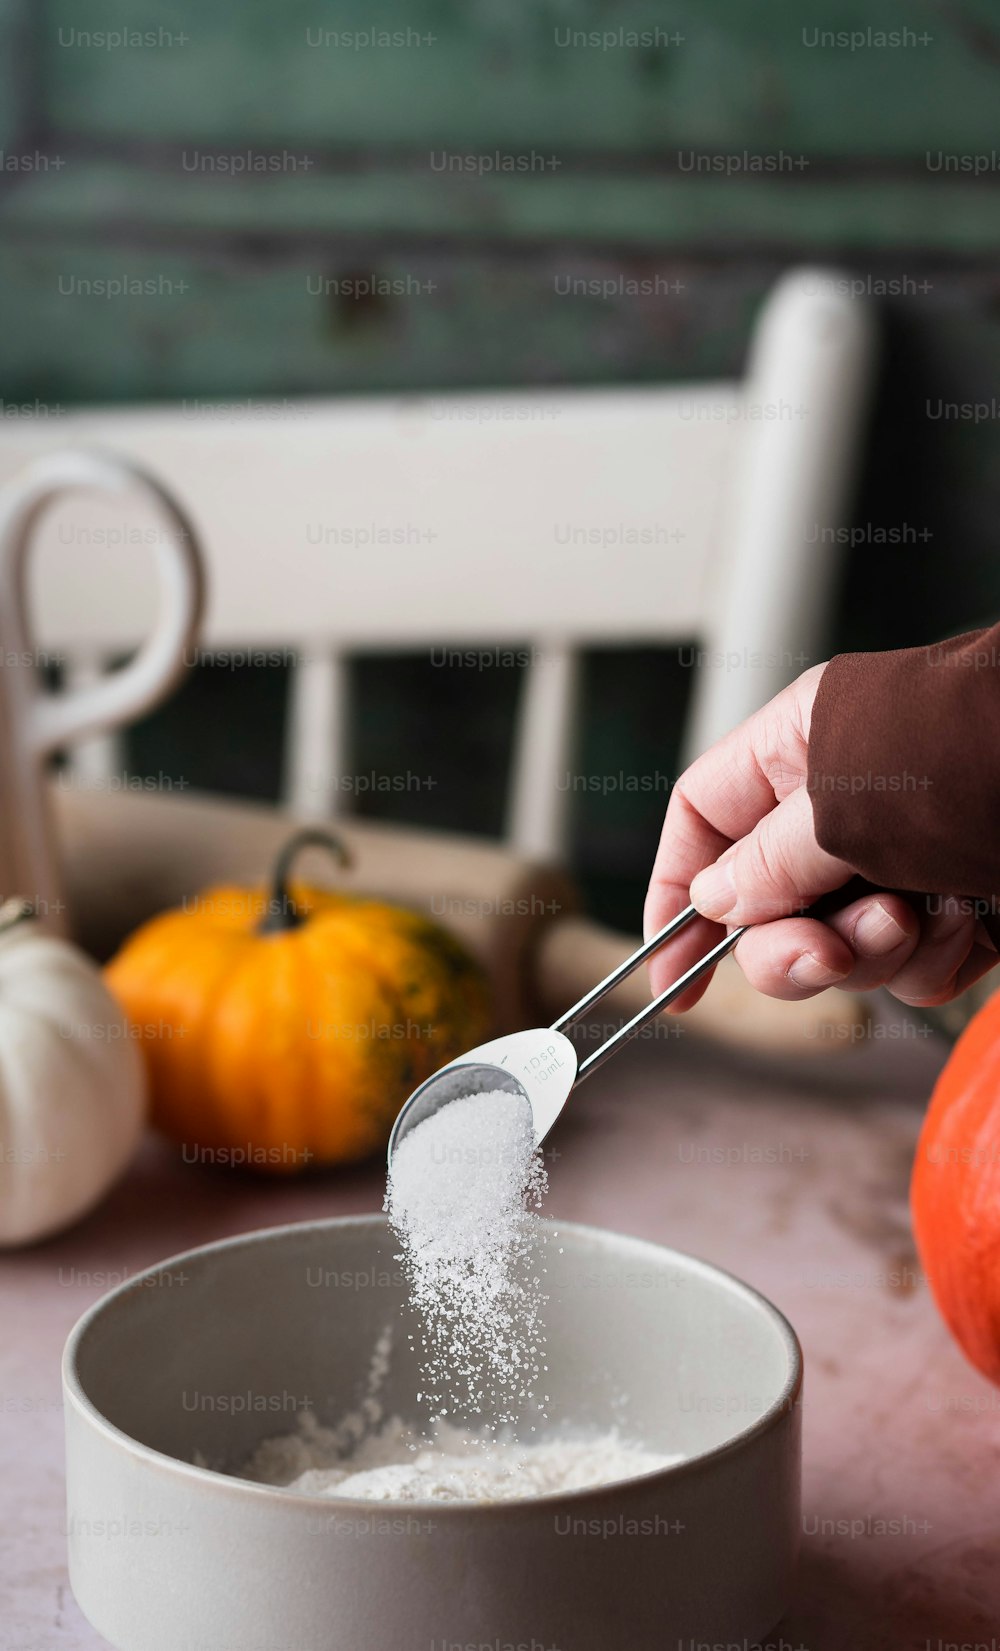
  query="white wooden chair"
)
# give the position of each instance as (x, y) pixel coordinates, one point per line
(554, 519)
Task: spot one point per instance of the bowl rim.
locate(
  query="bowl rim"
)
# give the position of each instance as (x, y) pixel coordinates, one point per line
(342, 1506)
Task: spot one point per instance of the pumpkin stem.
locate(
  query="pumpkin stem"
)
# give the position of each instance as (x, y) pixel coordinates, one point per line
(282, 913)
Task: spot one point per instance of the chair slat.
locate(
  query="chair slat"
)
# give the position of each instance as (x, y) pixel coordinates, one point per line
(316, 736)
(544, 749)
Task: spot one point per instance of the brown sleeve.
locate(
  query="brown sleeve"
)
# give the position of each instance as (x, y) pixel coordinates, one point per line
(904, 765)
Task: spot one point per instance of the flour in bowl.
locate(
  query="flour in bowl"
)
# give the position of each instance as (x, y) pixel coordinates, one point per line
(462, 1197)
(450, 1464)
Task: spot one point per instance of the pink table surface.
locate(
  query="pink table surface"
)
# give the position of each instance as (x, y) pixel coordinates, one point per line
(796, 1182)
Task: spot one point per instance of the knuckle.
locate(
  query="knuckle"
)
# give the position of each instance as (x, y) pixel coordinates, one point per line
(766, 869)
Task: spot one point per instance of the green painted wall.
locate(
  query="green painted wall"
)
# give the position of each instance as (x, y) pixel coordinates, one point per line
(139, 143)
(235, 156)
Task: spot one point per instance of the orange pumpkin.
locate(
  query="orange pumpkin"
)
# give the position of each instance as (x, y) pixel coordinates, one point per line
(955, 1191)
(285, 1027)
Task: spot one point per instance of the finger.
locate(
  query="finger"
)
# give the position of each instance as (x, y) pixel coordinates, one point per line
(772, 872)
(725, 792)
(686, 841)
(794, 958)
(979, 962)
(858, 948)
(947, 942)
(718, 799)
(693, 942)
(883, 932)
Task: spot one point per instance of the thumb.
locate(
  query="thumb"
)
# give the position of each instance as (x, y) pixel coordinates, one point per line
(773, 871)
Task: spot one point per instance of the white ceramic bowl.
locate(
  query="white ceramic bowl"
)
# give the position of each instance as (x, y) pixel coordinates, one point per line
(213, 1351)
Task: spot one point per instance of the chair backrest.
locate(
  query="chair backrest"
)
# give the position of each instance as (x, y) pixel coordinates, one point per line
(542, 521)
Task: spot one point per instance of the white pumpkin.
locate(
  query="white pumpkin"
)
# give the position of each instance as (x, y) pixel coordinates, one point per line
(72, 1082)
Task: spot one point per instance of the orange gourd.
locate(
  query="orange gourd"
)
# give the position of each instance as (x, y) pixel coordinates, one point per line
(284, 1028)
(955, 1191)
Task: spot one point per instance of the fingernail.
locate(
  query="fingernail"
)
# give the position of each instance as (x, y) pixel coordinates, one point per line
(877, 932)
(810, 970)
(950, 916)
(713, 891)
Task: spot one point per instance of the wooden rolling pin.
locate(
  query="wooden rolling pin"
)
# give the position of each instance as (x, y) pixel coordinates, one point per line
(129, 855)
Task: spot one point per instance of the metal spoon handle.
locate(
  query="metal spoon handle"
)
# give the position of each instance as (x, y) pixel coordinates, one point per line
(654, 1007)
(623, 970)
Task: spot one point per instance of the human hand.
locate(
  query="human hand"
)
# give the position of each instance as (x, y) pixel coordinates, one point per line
(739, 835)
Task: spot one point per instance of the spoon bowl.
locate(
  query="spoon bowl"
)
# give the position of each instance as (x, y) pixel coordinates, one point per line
(541, 1065)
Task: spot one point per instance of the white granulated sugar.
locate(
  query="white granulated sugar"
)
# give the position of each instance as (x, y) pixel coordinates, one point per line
(462, 1198)
(451, 1464)
(280, 1461)
(463, 1191)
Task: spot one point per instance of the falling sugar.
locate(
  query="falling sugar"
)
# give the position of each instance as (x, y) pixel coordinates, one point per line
(463, 1195)
(463, 1192)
